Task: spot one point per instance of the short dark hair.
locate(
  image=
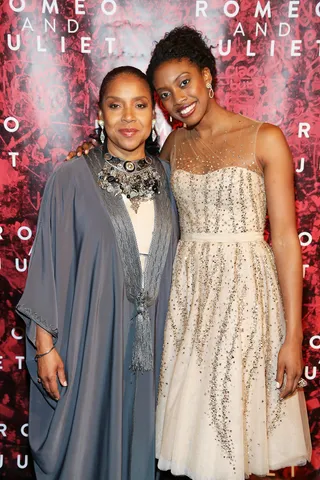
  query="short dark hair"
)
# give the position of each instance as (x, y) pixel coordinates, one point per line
(183, 42)
(122, 70)
(152, 146)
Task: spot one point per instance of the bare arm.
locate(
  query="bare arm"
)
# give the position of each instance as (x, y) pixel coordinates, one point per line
(275, 156)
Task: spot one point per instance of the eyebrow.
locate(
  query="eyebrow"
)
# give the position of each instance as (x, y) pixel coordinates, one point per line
(180, 75)
(119, 99)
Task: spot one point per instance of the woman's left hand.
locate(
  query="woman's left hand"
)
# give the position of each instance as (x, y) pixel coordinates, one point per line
(290, 362)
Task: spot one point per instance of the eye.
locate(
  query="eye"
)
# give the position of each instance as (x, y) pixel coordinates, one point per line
(141, 105)
(114, 105)
(184, 83)
(164, 95)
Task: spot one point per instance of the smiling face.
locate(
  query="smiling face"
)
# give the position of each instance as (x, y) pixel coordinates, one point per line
(127, 111)
(181, 86)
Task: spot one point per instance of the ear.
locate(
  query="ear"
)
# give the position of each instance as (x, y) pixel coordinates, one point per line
(154, 116)
(206, 75)
(100, 115)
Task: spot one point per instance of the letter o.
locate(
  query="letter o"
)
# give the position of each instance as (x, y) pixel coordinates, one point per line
(29, 234)
(236, 11)
(309, 239)
(312, 340)
(109, 12)
(17, 9)
(15, 335)
(6, 124)
(23, 428)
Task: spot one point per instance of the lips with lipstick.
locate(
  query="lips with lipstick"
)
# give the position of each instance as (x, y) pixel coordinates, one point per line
(187, 110)
(128, 132)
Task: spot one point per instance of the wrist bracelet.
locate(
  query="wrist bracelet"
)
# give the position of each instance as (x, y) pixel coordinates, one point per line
(39, 355)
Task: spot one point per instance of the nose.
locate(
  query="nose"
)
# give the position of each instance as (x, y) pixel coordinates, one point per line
(179, 97)
(128, 115)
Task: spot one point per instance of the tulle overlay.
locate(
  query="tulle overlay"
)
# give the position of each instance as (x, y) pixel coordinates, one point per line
(219, 415)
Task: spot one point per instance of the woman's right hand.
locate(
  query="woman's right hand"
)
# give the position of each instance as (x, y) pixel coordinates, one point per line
(82, 149)
(50, 367)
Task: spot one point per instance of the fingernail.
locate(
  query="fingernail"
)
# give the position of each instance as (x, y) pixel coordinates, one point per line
(278, 385)
(86, 152)
(64, 384)
(79, 154)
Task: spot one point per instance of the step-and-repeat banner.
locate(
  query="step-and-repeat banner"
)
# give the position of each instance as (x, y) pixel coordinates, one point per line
(54, 54)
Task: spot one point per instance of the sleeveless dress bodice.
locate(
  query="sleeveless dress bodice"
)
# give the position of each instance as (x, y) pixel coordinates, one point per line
(228, 200)
(219, 414)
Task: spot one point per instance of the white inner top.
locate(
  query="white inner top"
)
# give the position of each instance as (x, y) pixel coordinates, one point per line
(143, 224)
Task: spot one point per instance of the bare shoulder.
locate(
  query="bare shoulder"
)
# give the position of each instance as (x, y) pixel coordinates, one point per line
(168, 145)
(271, 144)
(269, 133)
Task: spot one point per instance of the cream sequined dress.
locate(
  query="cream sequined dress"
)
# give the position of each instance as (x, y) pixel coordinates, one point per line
(219, 416)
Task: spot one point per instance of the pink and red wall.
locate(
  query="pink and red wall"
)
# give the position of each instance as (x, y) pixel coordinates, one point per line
(54, 54)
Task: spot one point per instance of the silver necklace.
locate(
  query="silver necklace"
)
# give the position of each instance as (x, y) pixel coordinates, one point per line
(139, 181)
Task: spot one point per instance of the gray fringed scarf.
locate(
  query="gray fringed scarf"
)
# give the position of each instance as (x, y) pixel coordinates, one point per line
(142, 355)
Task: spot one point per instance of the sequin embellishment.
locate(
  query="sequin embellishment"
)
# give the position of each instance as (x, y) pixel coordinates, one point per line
(218, 404)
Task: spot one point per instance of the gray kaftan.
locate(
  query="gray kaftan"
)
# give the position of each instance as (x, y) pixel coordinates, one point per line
(103, 426)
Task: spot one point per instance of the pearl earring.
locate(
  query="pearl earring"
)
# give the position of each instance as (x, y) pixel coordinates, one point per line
(209, 87)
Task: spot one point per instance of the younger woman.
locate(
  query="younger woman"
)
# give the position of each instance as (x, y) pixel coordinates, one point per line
(96, 298)
(228, 403)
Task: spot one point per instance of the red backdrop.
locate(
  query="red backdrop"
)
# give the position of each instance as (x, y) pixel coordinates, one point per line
(54, 54)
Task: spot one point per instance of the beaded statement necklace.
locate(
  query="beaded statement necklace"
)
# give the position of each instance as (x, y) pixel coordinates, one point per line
(138, 180)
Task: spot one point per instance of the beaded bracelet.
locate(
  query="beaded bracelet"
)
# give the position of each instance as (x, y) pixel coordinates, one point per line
(39, 355)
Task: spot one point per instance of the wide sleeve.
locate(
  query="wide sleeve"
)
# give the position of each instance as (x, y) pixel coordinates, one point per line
(38, 304)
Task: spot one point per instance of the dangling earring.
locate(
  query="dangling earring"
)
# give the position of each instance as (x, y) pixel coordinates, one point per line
(209, 87)
(170, 119)
(102, 135)
(154, 133)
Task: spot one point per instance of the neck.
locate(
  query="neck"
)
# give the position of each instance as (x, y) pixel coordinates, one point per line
(215, 120)
(131, 156)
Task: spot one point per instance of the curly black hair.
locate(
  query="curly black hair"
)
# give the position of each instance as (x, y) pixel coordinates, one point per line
(152, 146)
(183, 42)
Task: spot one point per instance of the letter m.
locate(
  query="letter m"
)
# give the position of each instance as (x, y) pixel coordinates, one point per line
(46, 6)
(262, 11)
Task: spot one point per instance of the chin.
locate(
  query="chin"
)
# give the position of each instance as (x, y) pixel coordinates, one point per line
(192, 122)
(198, 117)
(129, 144)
